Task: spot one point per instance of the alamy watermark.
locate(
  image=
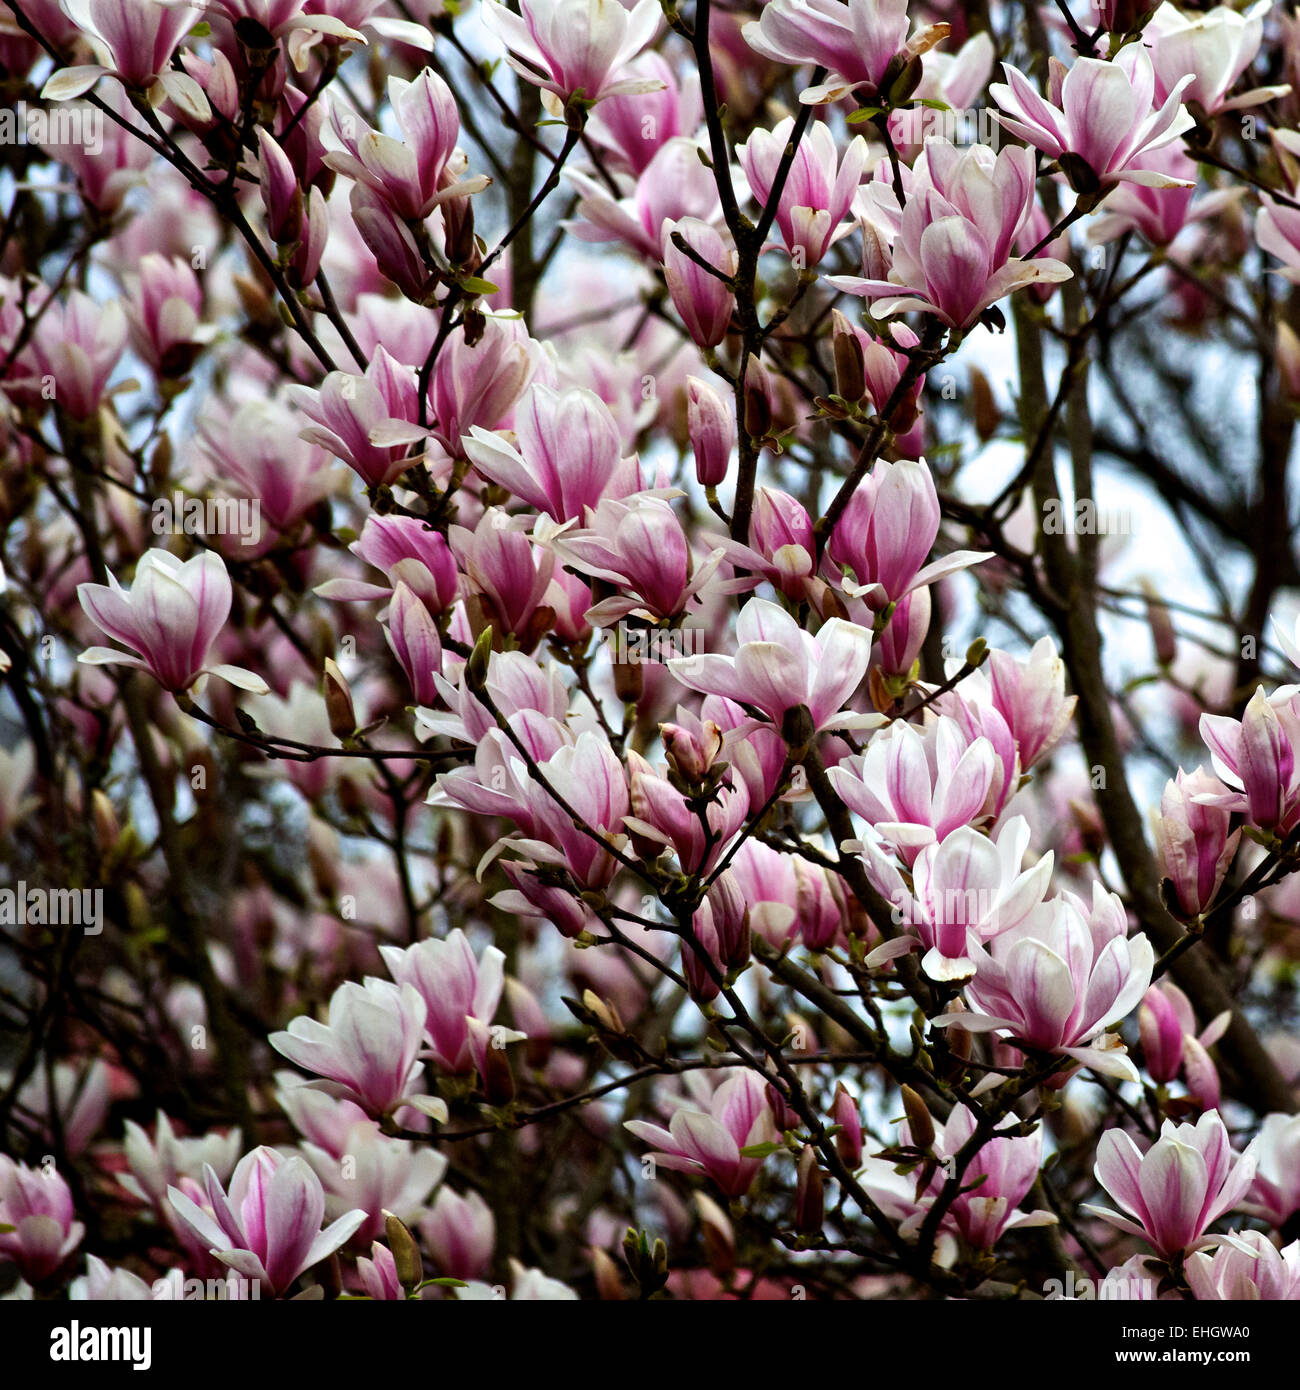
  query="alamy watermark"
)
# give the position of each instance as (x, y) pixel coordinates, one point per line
(972, 126)
(83, 126)
(22, 906)
(207, 516)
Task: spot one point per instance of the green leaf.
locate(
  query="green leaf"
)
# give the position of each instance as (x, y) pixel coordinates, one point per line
(201, 31)
(759, 1150)
(864, 113)
(471, 284)
(933, 103)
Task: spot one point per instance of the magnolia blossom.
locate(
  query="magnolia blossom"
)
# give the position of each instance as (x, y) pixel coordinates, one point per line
(779, 666)
(134, 40)
(674, 186)
(1100, 114)
(416, 175)
(1245, 1266)
(461, 1233)
(267, 1226)
(1215, 47)
(1178, 1187)
(169, 619)
(1275, 1193)
(710, 1142)
(856, 42)
(703, 299)
(994, 1184)
(74, 349)
(576, 48)
(1171, 1044)
(569, 456)
(368, 1048)
(1256, 758)
(161, 1162)
(638, 545)
(455, 984)
(950, 245)
(1192, 840)
(37, 1226)
(818, 190)
(966, 888)
(915, 789)
(885, 533)
(1060, 977)
(368, 421)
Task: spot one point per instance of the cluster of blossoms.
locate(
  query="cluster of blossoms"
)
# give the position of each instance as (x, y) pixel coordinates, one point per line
(549, 758)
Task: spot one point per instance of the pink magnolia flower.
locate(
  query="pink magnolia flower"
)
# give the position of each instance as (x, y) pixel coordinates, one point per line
(1193, 845)
(480, 384)
(385, 1175)
(818, 192)
(1256, 758)
(1175, 1190)
(412, 637)
(711, 424)
(662, 818)
(161, 1162)
(169, 618)
(508, 571)
(515, 681)
(899, 643)
(1171, 1044)
(675, 186)
(576, 48)
(370, 1046)
(915, 789)
(886, 532)
(1245, 1266)
(710, 1142)
(635, 127)
(1060, 978)
(134, 41)
(779, 666)
(268, 1227)
(379, 1275)
(258, 453)
(570, 453)
(460, 1232)
(854, 42)
(405, 548)
(1275, 1192)
(781, 544)
(76, 345)
(37, 1204)
(1029, 694)
(1100, 113)
(416, 174)
(1215, 47)
(1160, 214)
(589, 776)
(455, 985)
(950, 253)
(1004, 1168)
(165, 313)
(119, 161)
(703, 301)
(367, 421)
(966, 888)
(639, 545)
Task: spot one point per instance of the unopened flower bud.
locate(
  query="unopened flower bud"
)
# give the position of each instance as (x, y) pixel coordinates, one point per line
(406, 1253)
(919, 1124)
(338, 701)
(850, 364)
(848, 1139)
(810, 1194)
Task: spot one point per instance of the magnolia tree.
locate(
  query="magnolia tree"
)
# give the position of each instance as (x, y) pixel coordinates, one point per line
(645, 650)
